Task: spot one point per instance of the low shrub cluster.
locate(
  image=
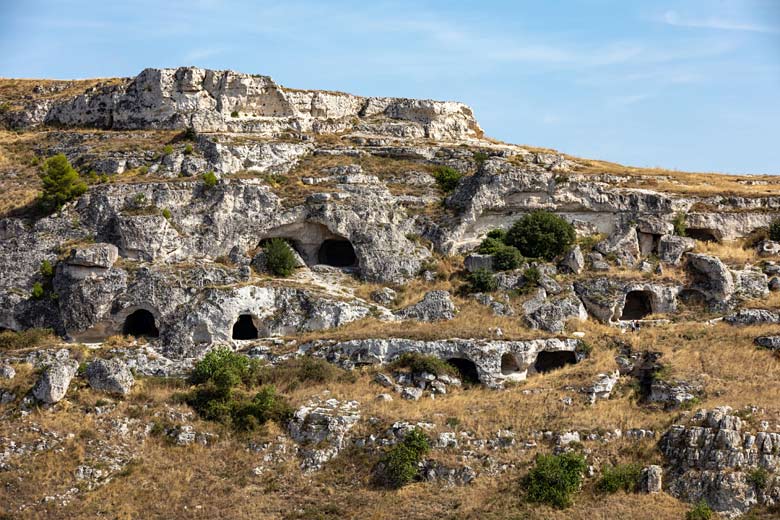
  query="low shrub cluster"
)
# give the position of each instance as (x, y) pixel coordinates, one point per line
(541, 234)
(505, 257)
(292, 373)
(447, 178)
(700, 511)
(774, 230)
(418, 363)
(224, 380)
(480, 281)
(279, 257)
(400, 465)
(621, 477)
(555, 479)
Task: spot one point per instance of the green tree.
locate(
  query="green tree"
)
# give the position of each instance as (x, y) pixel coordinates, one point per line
(61, 183)
(279, 257)
(541, 234)
(447, 178)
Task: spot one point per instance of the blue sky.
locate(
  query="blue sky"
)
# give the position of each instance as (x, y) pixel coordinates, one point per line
(690, 85)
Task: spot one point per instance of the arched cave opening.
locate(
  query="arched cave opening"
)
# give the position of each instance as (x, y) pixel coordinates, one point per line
(337, 253)
(467, 370)
(553, 360)
(244, 328)
(638, 305)
(509, 364)
(140, 324)
(701, 234)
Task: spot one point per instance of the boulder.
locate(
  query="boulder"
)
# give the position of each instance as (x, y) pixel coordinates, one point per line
(91, 260)
(774, 284)
(384, 296)
(768, 248)
(551, 315)
(7, 372)
(651, 479)
(768, 342)
(711, 276)
(672, 394)
(753, 317)
(623, 245)
(111, 376)
(750, 283)
(602, 387)
(321, 429)
(477, 261)
(435, 306)
(573, 261)
(55, 380)
(671, 248)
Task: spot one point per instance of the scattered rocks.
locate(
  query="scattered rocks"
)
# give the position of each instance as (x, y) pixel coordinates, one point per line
(435, 306)
(7, 372)
(111, 376)
(602, 387)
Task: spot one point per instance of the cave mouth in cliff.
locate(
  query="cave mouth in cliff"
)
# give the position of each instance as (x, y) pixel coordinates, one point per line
(467, 370)
(140, 324)
(509, 364)
(701, 234)
(244, 328)
(638, 305)
(337, 253)
(547, 361)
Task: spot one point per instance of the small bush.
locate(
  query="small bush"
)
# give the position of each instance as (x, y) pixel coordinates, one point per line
(555, 478)
(531, 276)
(507, 258)
(188, 149)
(679, 224)
(499, 234)
(209, 179)
(167, 149)
(221, 366)
(622, 476)
(279, 257)
(37, 291)
(480, 157)
(47, 269)
(481, 281)
(143, 170)
(759, 478)
(774, 230)
(30, 338)
(418, 363)
(447, 178)
(234, 113)
(188, 135)
(61, 183)
(541, 234)
(700, 511)
(400, 463)
(490, 246)
(167, 214)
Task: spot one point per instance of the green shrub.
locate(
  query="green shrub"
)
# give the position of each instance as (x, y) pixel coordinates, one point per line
(499, 234)
(188, 135)
(418, 363)
(774, 230)
(167, 214)
(47, 269)
(679, 224)
(541, 234)
(759, 478)
(143, 170)
(37, 291)
(234, 113)
(188, 149)
(279, 257)
(61, 183)
(290, 374)
(5, 107)
(447, 178)
(555, 478)
(480, 157)
(30, 338)
(481, 281)
(622, 476)
(209, 179)
(532, 275)
(490, 245)
(400, 463)
(167, 149)
(221, 366)
(507, 258)
(700, 511)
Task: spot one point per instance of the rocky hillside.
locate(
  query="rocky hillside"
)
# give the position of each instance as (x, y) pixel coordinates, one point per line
(256, 301)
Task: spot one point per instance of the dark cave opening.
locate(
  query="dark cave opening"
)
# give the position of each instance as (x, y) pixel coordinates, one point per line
(139, 324)
(509, 364)
(467, 370)
(701, 234)
(337, 253)
(547, 361)
(244, 328)
(638, 305)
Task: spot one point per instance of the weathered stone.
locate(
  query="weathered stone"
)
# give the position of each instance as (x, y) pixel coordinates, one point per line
(551, 315)
(671, 248)
(321, 428)
(623, 245)
(110, 375)
(774, 284)
(7, 372)
(435, 306)
(384, 296)
(768, 342)
(753, 317)
(573, 261)
(476, 261)
(651, 479)
(711, 276)
(768, 248)
(411, 393)
(602, 387)
(55, 380)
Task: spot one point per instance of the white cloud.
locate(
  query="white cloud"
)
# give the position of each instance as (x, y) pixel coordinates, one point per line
(675, 19)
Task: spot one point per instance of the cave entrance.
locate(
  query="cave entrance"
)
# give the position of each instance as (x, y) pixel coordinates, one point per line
(547, 361)
(509, 364)
(140, 324)
(701, 234)
(638, 305)
(467, 370)
(337, 253)
(244, 328)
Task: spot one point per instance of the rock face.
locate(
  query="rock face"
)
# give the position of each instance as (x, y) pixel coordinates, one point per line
(435, 306)
(611, 299)
(111, 376)
(321, 428)
(552, 314)
(54, 381)
(712, 459)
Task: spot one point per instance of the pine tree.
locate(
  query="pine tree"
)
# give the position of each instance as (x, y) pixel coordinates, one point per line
(61, 183)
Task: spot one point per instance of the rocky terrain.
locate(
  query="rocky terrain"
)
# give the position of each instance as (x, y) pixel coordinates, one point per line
(650, 342)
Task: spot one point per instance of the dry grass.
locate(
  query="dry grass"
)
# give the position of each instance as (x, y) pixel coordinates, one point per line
(731, 252)
(16, 92)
